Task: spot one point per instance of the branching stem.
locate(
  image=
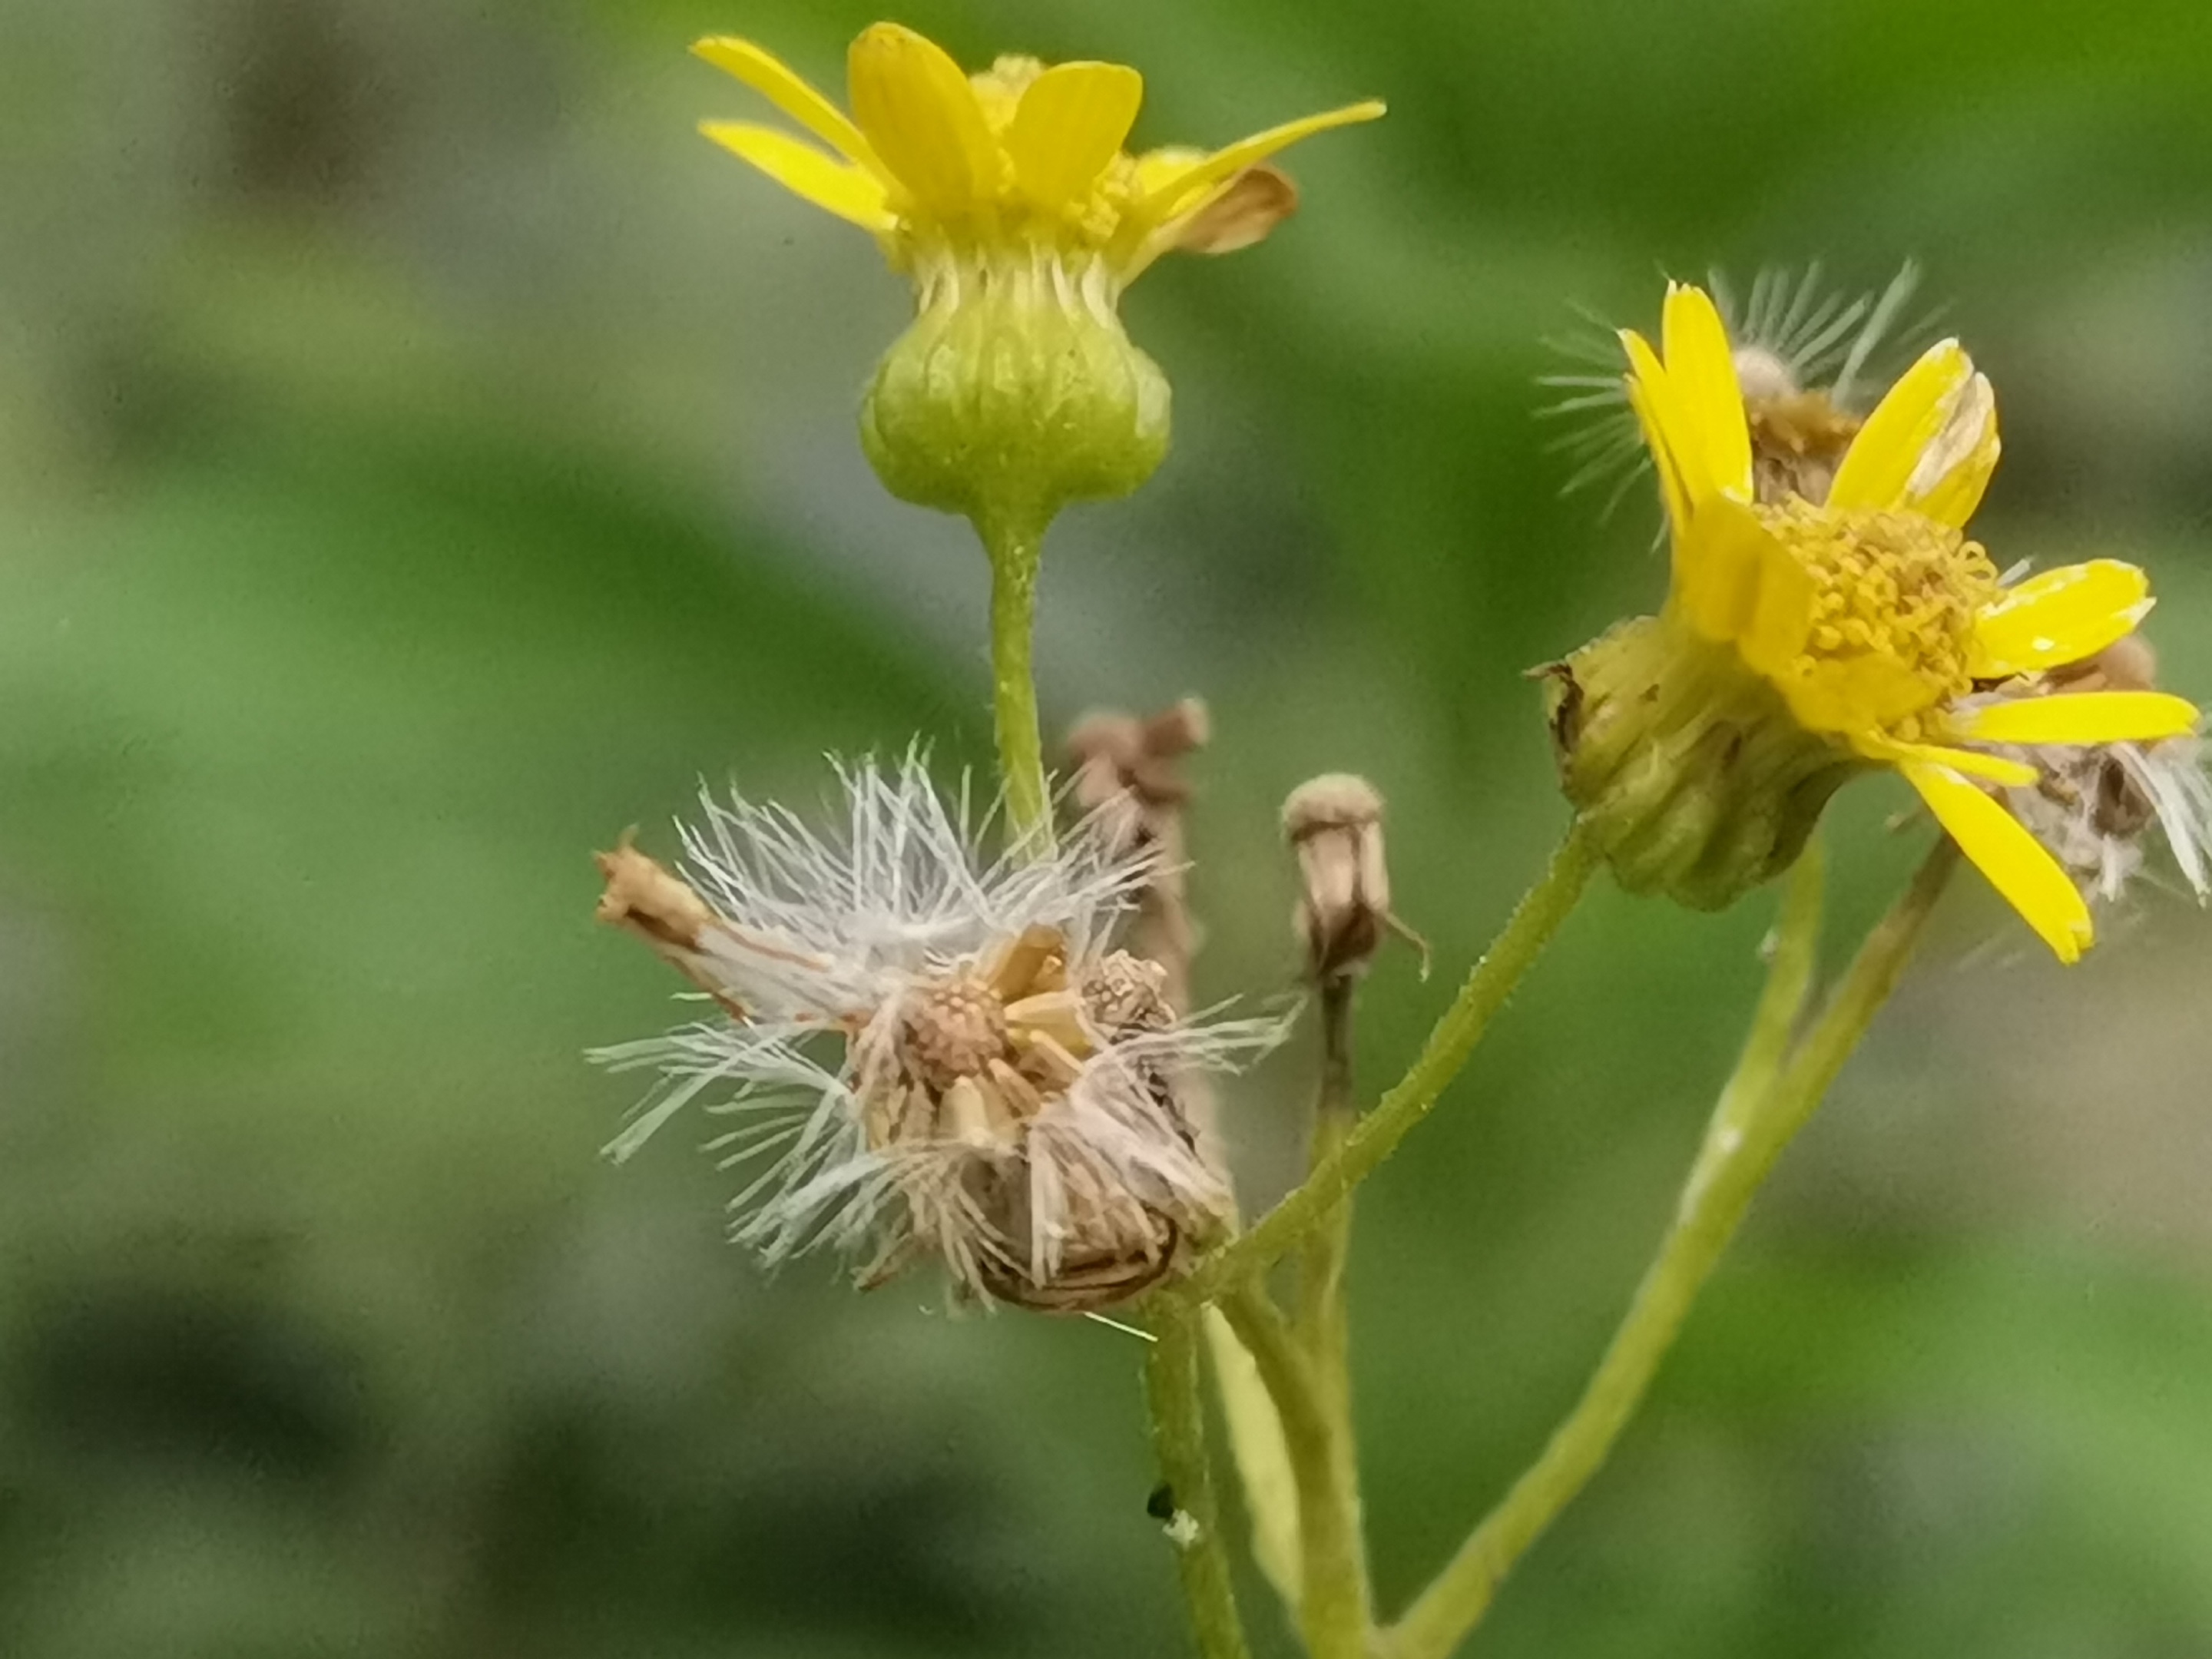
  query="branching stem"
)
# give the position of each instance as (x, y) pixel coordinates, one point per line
(1774, 1091)
(1526, 934)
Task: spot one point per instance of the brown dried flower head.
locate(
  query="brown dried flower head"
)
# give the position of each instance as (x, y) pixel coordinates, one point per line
(929, 1051)
(1333, 823)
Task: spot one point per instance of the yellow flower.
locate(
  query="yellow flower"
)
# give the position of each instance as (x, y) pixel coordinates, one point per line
(1871, 613)
(940, 164)
(1008, 198)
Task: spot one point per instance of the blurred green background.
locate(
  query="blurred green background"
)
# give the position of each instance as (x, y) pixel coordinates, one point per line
(422, 456)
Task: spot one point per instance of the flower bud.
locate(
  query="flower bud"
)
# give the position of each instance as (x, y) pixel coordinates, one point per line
(1334, 822)
(1015, 392)
(1691, 772)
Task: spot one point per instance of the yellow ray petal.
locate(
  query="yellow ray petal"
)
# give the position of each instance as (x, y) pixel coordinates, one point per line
(2061, 616)
(1954, 470)
(1702, 365)
(1684, 476)
(1068, 125)
(2033, 881)
(1672, 494)
(1182, 191)
(1673, 491)
(920, 114)
(1877, 469)
(1780, 618)
(2013, 774)
(1156, 168)
(849, 192)
(776, 81)
(1737, 584)
(1856, 695)
(2083, 717)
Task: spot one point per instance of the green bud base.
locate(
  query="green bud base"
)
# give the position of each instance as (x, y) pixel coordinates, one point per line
(1687, 768)
(1014, 393)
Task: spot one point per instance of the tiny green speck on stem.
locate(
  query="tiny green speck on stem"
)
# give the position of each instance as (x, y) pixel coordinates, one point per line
(1174, 1396)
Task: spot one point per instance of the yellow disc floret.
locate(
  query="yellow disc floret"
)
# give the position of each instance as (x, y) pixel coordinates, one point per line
(1891, 622)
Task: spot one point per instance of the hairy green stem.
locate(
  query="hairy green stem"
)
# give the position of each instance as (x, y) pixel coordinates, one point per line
(1334, 1610)
(1765, 1104)
(1173, 1393)
(1515, 951)
(1323, 1329)
(1015, 550)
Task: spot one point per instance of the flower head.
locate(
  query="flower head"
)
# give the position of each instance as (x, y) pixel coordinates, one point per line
(1009, 199)
(1022, 155)
(924, 1050)
(1864, 616)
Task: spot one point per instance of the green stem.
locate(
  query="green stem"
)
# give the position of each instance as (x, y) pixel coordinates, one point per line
(1334, 1611)
(1764, 1107)
(1320, 1277)
(1173, 1391)
(1323, 1327)
(1016, 550)
(1873, 976)
(1515, 951)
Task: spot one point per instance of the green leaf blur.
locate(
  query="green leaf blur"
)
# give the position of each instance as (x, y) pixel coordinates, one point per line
(422, 457)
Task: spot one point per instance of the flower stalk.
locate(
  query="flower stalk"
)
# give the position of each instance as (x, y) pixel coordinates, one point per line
(1175, 1400)
(1015, 545)
(1323, 1324)
(1539, 915)
(1338, 1570)
(1772, 1094)
(1334, 1611)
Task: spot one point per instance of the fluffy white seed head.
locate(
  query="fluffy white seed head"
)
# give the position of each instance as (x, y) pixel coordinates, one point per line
(928, 1048)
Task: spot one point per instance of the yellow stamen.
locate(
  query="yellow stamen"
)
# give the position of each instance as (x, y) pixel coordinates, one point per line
(1894, 600)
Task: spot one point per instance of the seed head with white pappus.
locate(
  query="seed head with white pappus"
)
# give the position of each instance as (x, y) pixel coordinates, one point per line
(925, 1049)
